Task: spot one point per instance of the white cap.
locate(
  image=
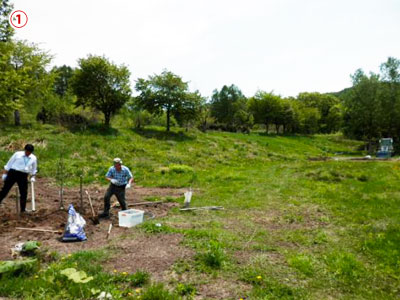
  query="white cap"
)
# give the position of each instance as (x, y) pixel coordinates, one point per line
(117, 160)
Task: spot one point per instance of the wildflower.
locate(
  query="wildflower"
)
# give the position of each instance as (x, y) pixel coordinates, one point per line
(129, 294)
(138, 290)
(115, 271)
(124, 273)
(259, 277)
(36, 277)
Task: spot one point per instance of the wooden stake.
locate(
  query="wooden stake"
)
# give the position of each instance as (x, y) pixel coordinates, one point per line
(109, 231)
(38, 229)
(62, 196)
(81, 192)
(203, 208)
(145, 203)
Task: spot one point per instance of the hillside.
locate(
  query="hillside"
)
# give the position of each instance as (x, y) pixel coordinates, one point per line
(292, 228)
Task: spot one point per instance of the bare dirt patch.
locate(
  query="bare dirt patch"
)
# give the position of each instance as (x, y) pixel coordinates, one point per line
(223, 289)
(152, 253)
(49, 216)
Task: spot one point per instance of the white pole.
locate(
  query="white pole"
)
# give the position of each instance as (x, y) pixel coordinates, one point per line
(33, 195)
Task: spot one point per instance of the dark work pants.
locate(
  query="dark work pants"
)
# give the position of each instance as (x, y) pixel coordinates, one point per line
(21, 179)
(119, 192)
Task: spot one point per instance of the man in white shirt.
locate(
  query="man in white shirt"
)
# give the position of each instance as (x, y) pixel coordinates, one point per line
(16, 170)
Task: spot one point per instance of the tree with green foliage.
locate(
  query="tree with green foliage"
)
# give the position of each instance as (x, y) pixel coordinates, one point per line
(62, 80)
(205, 119)
(226, 103)
(328, 107)
(188, 112)
(102, 85)
(309, 120)
(363, 110)
(265, 108)
(6, 31)
(167, 93)
(390, 97)
(23, 77)
(286, 117)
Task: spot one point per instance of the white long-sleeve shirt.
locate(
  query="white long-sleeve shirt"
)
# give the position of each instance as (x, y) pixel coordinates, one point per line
(20, 162)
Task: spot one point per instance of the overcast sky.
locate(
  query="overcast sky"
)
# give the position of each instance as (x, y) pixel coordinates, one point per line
(288, 46)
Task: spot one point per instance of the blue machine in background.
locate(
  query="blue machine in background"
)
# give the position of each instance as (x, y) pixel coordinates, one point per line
(385, 148)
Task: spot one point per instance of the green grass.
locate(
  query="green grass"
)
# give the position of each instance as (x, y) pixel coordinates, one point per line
(292, 228)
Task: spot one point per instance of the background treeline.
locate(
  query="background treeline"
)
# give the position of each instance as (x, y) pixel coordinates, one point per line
(99, 89)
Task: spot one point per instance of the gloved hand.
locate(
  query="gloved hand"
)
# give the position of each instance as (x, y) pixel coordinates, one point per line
(114, 181)
(33, 179)
(3, 177)
(128, 186)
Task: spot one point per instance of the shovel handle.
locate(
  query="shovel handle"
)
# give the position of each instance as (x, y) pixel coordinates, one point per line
(33, 195)
(91, 205)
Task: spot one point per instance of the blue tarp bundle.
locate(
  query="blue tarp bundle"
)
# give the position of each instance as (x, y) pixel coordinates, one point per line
(74, 230)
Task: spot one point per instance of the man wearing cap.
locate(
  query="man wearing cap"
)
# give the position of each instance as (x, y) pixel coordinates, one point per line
(20, 165)
(120, 178)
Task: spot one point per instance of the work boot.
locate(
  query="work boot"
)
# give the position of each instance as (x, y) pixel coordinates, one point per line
(104, 215)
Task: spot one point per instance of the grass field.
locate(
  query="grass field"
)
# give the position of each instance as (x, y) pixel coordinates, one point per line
(292, 228)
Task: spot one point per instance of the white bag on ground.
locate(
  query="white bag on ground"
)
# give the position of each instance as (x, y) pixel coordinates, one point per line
(74, 230)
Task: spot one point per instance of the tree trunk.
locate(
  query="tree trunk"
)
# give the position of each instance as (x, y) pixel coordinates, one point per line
(266, 127)
(205, 126)
(107, 118)
(17, 118)
(277, 128)
(168, 119)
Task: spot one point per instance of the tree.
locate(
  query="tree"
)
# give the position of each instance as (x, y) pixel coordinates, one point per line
(23, 77)
(309, 120)
(205, 118)
(363, 110)
(167, 93)
(189, 111)
(328, 122)
(265, 108)
(226, 103)
(6, 31)
(102, 85)
(390, 85)
(286, 116)
(63, 76)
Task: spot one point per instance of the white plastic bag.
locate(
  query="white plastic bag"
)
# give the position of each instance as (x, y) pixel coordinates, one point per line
(188, 197)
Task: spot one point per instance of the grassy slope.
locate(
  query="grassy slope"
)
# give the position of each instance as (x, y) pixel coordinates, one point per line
(292, 228)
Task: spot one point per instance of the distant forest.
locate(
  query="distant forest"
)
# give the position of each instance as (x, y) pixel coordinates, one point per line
(97, 90)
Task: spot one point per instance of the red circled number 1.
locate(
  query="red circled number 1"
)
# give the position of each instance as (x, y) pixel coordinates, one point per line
(19, 19)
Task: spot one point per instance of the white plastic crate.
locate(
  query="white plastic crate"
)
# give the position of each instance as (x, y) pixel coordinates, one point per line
(130, 217)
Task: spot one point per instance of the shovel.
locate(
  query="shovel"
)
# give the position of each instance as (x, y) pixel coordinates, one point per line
(33, 195)
(95, 219)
